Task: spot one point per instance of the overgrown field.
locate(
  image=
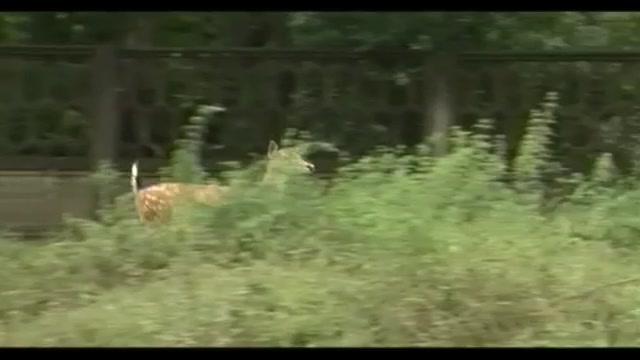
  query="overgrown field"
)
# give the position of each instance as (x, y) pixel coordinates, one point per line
(461, 250)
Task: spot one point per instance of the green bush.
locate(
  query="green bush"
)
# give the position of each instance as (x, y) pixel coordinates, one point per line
(404, 250)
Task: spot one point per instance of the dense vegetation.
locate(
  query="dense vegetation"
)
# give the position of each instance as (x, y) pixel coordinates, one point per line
(465, 249)
(404, 250)
(426, 30)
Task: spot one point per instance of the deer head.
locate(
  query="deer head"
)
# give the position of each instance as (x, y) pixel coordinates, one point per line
(282, 163)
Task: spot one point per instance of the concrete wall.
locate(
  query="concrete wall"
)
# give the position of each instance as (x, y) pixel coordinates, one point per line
(34, 199)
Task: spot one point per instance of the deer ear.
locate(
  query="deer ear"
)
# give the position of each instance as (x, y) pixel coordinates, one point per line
(273, 147)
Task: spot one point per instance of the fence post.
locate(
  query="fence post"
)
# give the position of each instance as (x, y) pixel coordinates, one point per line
(440, 111)
(104, 111)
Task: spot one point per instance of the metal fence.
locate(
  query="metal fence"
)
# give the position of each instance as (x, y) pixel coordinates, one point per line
(65, 108)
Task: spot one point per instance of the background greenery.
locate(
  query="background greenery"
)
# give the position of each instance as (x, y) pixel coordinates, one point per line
(403, 250)
(472, 248)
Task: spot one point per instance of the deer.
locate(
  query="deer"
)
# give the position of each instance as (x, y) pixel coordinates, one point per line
(154, 203)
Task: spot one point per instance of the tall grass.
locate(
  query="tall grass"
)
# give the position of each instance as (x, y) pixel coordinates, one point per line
(403, 251)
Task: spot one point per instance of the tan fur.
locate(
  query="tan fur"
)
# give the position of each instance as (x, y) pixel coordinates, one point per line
(281, 163)
(156, 202)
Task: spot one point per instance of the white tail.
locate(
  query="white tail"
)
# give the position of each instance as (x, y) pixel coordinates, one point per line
(135, 179)
(155, 202)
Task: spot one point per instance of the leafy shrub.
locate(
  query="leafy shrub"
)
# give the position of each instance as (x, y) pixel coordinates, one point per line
(404, 250)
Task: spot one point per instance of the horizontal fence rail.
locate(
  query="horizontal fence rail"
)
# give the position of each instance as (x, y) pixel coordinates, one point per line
(65, 108)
